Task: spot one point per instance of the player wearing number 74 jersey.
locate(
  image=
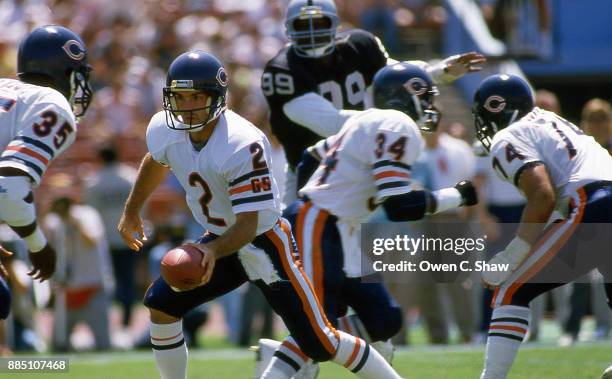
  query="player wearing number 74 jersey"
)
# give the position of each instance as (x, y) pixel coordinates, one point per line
(556, 167)
(222, 161)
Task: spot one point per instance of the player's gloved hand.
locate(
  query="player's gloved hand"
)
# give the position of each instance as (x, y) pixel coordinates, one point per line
(513, 255)
(458, 65)
(468, 192)
(43, 262)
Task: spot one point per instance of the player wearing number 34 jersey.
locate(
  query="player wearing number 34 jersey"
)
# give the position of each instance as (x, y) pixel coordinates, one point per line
(366, 165)
(320, 79)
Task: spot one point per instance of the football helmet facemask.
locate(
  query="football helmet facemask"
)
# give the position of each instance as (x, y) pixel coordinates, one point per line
(311, 26)
(192, 73)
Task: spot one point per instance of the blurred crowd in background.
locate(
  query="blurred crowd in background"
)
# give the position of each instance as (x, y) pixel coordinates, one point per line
(131, 44)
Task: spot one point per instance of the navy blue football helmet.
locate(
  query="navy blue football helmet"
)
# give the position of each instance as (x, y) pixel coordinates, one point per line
(58, 54)
(311, 25)
(195, 71)
(499, 101)
(410, 89)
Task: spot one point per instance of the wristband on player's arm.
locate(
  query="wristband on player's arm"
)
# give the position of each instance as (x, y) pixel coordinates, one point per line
(409, 206)
(19, 212)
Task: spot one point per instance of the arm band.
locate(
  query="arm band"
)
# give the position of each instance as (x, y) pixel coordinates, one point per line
(409, 206)
(36, 241)
(18, 211)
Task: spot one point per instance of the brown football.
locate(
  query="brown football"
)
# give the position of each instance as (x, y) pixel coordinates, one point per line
(181, 267)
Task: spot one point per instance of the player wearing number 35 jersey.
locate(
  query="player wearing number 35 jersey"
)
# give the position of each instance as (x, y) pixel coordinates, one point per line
(557, 167)
(222, 161)
(38, 123)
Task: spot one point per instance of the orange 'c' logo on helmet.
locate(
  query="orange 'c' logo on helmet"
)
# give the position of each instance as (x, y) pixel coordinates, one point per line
(495, 104)
(416, 86)
(222, 77)
(74, 49)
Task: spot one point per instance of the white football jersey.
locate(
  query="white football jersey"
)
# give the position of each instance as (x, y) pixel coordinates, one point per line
(367, 161)
(229, 175)
(36, 125)
(572, 158)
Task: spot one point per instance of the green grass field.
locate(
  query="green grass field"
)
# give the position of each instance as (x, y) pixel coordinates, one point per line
(585, 361)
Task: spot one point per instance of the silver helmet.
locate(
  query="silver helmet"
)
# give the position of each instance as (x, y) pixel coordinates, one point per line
(311, 26)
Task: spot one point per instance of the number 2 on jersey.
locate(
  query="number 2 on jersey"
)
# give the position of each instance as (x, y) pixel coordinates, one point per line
(257, 153)
(196, 180)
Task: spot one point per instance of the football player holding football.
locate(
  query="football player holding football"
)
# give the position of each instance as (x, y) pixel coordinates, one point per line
(223, 163)
(365, 166)
(38, 122)
(560, 171)
(316, 82)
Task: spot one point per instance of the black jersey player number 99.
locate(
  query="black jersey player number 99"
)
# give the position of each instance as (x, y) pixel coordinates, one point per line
(354, 86)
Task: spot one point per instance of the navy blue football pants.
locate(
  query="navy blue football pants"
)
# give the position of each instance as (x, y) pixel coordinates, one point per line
(567, 250)
(291, 297)
(320, 248)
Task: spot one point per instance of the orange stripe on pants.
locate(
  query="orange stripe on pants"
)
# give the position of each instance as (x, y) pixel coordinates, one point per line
(299, 232)
(550, 254)
(317, 255)
(301, 291)
(295, 349)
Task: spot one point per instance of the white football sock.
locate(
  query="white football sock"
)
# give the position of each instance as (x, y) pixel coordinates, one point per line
(265, 352)
(356, 355)
(287, 360)
(509, 325)
(170, 350)
(353, 326)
